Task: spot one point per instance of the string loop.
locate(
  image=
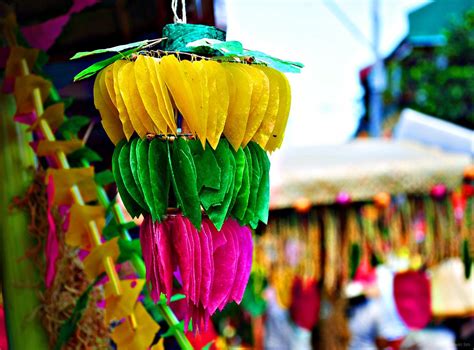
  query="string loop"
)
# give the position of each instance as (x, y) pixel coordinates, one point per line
(174, 8)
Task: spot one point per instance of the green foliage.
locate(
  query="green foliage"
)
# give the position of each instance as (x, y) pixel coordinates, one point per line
(440, 82)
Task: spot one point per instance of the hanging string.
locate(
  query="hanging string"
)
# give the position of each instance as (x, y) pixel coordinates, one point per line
(174, 7)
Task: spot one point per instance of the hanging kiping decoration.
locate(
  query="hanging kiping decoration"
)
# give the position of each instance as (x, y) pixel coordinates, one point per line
(192, 123)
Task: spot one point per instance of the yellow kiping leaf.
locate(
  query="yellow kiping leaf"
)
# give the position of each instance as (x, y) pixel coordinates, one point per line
(147, 93)
(77, 234)
(64, 179)
(222, 97)
(17, 53)
(123, 114)
(126, 337)
(131, 98)
(53, 114)
(109, 83)
(109, 115)
(46, 148)
(194, 80)
(23, 92)
(259, 102)
(165, 105)
(178, 84)
(203, 106)
(212, 136)
(278, 132)
(94, 262)
(240, 94)
(268, 123)
(120, 306)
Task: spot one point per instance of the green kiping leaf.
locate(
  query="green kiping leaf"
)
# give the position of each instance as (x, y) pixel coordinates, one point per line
(183, 175)
(250, 214)
(136, 46)
(242, 200)
(209, 196)
(84, 153)
(113, 229)
(207, 169)
(130, 204)
(128, 249)
(234, 49)
(127, 177)
(104, 178)
(134, 162)
(72, 125)
(263, 197)
(240, 164)
(144, 175)
(159, 176)
(218, 213)
(93, 69)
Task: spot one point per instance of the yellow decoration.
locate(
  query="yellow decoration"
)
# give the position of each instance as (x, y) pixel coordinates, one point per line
(120, 104)
(268, 123)
(180, 88)
(47, 148)
(148, 95)
(64, 179)
(109, 114)
(240, 97)
(120, 306)
(139, 336)
(218, 101)
(258, 103)
(17, 54)
(140, 119)
(24, 92)
(278, 132)
(244, 102)
(80, 215)
(53, 115)
(164, 100)
(93, 263)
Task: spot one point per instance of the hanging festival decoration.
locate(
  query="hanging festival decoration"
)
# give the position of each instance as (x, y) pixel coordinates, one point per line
(192, 122)
(71, 312)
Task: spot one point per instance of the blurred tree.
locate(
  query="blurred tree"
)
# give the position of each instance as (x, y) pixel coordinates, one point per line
(441, 82)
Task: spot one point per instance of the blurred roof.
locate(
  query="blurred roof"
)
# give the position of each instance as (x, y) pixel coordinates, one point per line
(361, 168)
(428, 22)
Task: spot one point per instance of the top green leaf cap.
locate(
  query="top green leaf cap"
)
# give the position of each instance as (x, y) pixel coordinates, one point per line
(235, 49)
(136, 45)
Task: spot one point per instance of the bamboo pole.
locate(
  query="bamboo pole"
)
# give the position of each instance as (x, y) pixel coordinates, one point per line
(20, 277)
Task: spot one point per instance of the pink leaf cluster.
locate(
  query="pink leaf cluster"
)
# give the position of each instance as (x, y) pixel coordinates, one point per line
(213, 266)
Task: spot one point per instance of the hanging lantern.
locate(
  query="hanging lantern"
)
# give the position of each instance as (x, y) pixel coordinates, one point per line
(192, 123)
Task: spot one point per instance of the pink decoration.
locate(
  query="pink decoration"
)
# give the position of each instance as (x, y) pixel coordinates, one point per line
(439, 191)
(305, 303)
(44, 35)
(52, 245)
(213, 266)
(27, 119)
(413, 298)
(343, 198)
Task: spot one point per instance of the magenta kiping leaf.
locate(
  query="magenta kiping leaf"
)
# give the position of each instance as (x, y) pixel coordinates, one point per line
(213, 266)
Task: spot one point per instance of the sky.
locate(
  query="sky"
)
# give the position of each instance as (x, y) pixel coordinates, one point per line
(326, 96)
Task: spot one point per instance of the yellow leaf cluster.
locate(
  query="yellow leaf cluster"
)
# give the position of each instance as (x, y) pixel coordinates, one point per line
(239, 101)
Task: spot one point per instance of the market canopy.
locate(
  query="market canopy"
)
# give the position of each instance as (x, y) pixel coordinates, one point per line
(361, 168)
